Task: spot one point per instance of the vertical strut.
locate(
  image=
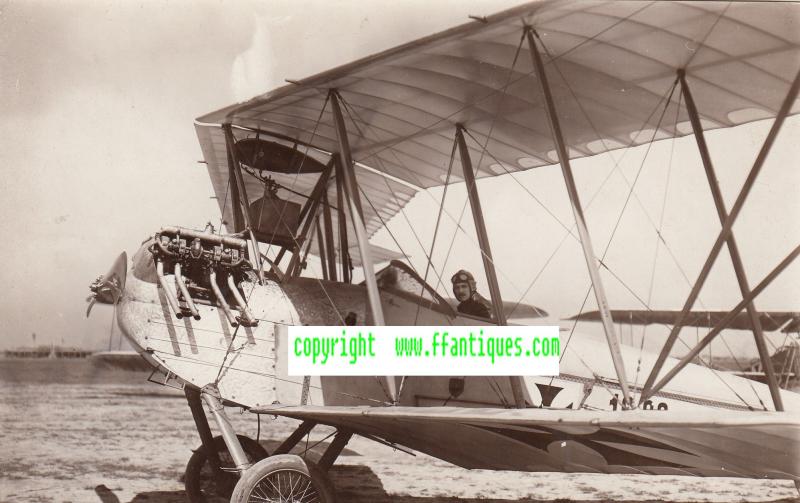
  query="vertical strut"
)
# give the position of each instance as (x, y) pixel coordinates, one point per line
(305, 236)
(236, 200)
(733, 249)
(211, 396)
(308, 216)
(486, 250)
(342, 220)
(350, 186)
(356, 213)
(480, 226)
(330, 249)
(243, 199)
(295, 267)
(580, 221)
(322, 245)
(723, 234)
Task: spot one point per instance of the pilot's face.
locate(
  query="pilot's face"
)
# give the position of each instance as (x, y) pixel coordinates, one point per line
(461, 291)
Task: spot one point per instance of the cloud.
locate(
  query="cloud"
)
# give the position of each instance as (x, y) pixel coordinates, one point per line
(252, 72)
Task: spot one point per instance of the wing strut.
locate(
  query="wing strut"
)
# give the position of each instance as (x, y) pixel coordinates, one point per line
(723, 234)
(330, 251)
(243, 200)
(580, 221)
(347, 270)
(733, 249)
(722, 324)
(236, 200)
(308, 215)
(486, 251)
(350, 186)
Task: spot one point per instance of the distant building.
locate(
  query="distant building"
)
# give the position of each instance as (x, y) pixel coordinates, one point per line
(47, 352)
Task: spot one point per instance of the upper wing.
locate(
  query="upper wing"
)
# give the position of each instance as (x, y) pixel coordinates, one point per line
(610, 66)
(770, 320)
(714, 443)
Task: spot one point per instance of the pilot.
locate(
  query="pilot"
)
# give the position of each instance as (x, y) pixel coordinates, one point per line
(470, 301)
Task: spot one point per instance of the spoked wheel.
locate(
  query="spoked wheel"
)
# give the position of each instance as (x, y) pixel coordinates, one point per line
(284, 478)
(202, 486)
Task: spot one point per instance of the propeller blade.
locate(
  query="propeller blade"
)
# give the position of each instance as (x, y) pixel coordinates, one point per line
(107, 289)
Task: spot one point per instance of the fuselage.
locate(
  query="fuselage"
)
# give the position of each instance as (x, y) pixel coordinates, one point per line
(249, 362)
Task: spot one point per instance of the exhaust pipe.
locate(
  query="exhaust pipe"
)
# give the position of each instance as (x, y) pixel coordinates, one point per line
(246, 317)
(171, 300)
(185, 292)
(212, 278)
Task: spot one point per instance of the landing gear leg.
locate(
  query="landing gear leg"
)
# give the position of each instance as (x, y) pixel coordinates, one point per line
(200, 421)
(213, 400)
(301, 431)
(212, 471)
(333, 450)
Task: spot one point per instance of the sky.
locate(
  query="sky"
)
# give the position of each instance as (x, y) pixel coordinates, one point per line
(98, 152)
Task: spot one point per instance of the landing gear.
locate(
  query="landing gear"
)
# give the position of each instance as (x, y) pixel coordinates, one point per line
(281, 478)
(202, 485)
(215, 467)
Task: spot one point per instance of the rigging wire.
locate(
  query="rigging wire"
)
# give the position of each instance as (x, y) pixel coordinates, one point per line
(402, 212)
(569, 229)
(616, 166)
(401, 250)
(659, 236)
(280, 217)
(567, 236)
(502, 98)
(353, 116)
(667, 101)
(659, 228)
(610, 240)
(492, 93)
(294, 180)
(631, 186)
(225, 205)
(458, 222)
(291, 234)
(436, 228)
(531, 194)
(495, 387)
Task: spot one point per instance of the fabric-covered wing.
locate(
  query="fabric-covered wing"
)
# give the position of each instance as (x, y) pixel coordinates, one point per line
(714, 443)
(770, 320)
(611, 66)
(379, 254)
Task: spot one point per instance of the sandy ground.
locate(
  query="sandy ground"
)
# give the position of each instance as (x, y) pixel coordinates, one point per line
(125, 440)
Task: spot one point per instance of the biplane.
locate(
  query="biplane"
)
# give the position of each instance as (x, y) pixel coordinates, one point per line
(316, 167)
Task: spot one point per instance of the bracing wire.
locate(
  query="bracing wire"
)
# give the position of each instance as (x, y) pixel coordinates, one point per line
(352, 114)
(631, 192)
(436, 228)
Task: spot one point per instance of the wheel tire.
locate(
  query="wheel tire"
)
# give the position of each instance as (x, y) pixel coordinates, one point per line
(201, 487)
(281, 471)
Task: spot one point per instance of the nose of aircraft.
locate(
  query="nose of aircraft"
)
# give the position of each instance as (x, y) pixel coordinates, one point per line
(107, 289)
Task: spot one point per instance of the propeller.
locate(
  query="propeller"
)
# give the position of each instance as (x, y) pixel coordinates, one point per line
(107, 289)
